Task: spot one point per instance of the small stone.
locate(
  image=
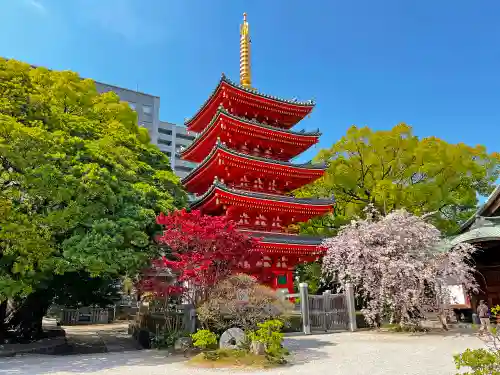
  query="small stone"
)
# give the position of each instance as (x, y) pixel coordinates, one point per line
(232, 338)
(183, 343)
(257, 348)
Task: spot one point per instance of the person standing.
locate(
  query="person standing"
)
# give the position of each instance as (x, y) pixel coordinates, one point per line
(484, 316)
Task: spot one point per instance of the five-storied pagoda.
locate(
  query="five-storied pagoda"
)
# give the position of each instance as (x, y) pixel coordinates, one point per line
(244, 147)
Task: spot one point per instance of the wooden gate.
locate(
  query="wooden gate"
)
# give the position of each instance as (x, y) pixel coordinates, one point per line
(85, 315)
(328, 312)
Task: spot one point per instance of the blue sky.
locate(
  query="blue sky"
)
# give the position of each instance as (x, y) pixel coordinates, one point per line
(432, 64)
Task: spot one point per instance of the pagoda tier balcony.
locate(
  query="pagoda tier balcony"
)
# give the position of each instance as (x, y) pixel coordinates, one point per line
(296, 248)
(247, 172)
(249, 137)
(267, 222)
(220, 200)
(280, 254)
(250, 104)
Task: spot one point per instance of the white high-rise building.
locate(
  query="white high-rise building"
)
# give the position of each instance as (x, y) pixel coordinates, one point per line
(171, 140)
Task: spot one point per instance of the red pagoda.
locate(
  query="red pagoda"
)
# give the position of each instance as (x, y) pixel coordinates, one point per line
(243, 148)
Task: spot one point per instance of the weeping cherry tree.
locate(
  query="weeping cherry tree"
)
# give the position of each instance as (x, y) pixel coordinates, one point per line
(399, 265)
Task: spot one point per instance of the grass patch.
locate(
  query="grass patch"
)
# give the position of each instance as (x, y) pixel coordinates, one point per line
(389, 326)
(403, 329)
(227, 358)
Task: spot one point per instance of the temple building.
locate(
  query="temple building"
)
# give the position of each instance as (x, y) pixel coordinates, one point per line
(483, 231)
(244, 147)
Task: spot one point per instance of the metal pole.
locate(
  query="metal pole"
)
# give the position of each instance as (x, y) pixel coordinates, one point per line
(304, 308)
(351, 308)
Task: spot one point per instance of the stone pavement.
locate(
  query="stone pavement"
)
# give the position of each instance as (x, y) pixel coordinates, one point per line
(360, 353)
(81, 339)
(100, 338)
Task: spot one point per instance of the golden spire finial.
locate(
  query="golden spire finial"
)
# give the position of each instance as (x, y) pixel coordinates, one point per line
(245, 73)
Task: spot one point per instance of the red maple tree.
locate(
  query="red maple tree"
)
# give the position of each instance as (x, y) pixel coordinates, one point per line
(202, 250)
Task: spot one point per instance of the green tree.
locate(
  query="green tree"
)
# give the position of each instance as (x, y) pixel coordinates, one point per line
(310, 273)
(395, 169)
(80, 188)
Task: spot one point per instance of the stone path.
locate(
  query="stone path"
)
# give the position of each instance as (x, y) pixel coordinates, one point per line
(361, 353)
(100, 338)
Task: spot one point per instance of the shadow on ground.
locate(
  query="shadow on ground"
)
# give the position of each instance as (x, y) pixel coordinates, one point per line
(85, 363)
(307, 349)
(303, 350)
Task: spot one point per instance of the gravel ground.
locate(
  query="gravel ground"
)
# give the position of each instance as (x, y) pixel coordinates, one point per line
(360, 353)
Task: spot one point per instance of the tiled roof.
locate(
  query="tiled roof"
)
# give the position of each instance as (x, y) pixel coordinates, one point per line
(287, 238)
(221, 110)
(308, 103)
(220, 146)
(483, 229)
(263, 196)
(494, 197)
(478, 235)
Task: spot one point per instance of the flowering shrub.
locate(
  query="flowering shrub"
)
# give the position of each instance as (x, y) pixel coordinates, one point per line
(396, 266)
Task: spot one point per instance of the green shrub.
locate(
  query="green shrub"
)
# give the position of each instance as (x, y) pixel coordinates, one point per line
(480, 361)
(405, 328)
(291, 323)
(204, 339)
(165, 339)
(269, 334)
(361, 320)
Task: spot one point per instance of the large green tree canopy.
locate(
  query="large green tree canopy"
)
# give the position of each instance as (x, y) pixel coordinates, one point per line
(80, 185)
(395, 169)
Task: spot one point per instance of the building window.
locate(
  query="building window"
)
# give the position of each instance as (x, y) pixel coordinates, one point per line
(164, 131)
(186, 136)
(164, 142)
(167, 153)
(147, 109)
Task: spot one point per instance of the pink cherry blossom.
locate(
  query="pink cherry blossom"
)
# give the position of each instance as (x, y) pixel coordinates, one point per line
(399, 264)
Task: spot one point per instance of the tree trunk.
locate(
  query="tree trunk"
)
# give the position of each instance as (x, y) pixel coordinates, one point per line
(26, 319)
(3, 315)
(442, 319)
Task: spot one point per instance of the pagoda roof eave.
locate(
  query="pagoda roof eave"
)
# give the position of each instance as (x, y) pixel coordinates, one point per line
(288, 244)
(219, 147)
(314, 202)
(222, 112)
(224, 80)
(284, 238)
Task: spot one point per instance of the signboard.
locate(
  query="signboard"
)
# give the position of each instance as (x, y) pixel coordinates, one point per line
(457, 297)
